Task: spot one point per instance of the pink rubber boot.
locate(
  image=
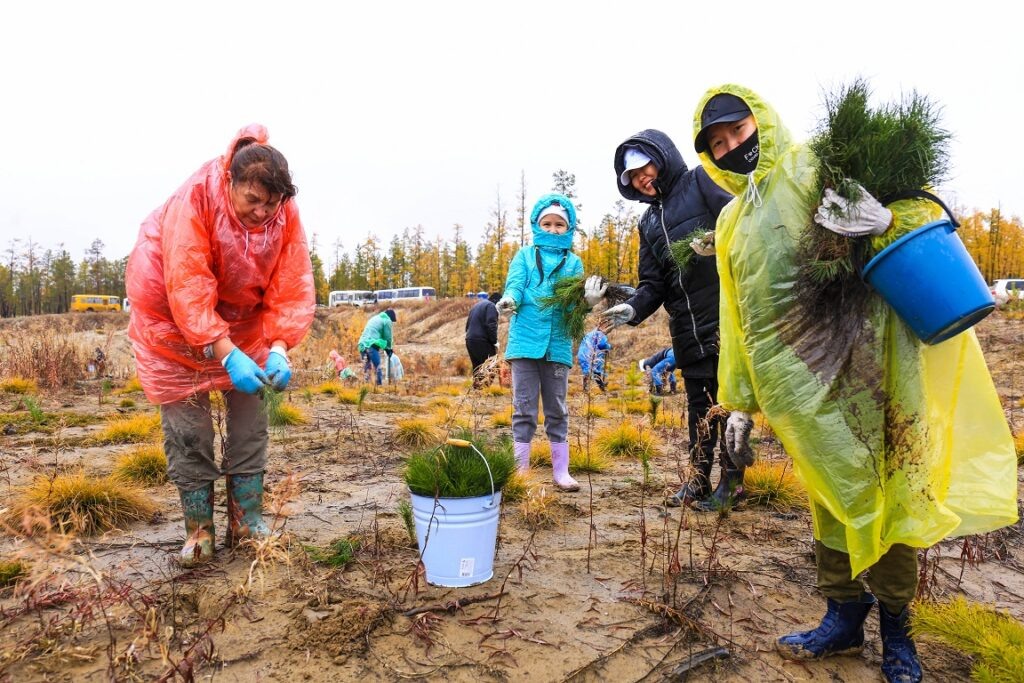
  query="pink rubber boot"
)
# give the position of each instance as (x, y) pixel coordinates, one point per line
(560, 465)
(522, 451)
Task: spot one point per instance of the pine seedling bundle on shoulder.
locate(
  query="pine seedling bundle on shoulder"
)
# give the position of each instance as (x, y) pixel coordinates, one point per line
(567, 298)
(888, 150)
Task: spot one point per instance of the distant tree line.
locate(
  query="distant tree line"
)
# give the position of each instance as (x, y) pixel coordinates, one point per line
(33, 280)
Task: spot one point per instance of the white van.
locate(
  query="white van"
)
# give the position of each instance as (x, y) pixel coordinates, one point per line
(350, 297)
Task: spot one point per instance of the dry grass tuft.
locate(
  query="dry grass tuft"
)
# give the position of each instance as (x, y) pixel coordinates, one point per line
(502, 418)
(773, 484)
(540, 454)
(635, 407)
(417, 434)
(136, 429)
(592, 461)
(671, 420)
(146, 465)
(993, 639)
(595, 411)
(439, 402)
(625, 441)
(448, 389)
(51, 357)
(76, 503)
(540, 508)
(495, 390)
(350, 397)
(19, 385)
(1018, 444)
(462, 367)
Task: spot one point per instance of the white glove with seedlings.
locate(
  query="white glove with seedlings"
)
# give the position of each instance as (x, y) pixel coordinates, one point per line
(594, 289)
(852, 217)
(618, 315)
(737, 438)
(506, 305)
(704, 245)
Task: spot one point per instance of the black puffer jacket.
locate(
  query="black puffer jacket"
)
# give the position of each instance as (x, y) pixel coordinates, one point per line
(686, 201)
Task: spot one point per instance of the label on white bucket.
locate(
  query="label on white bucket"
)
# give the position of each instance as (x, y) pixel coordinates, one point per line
(466, 565)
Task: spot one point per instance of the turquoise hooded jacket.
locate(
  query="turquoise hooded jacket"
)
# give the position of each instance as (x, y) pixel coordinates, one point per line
(376, 333)
(535, 332)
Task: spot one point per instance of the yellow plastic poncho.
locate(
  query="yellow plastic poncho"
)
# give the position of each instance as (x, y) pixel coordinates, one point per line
(895, 441)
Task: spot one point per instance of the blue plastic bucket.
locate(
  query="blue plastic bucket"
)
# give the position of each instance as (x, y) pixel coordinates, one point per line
(931, 282)
(457, 538)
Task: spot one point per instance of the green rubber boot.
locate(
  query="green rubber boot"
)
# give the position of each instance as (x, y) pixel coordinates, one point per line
(197, 507)
(245, 507)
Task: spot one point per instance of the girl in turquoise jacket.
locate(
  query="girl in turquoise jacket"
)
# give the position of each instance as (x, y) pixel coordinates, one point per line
(539, 347)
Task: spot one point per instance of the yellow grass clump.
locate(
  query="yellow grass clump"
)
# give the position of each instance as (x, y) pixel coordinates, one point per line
(670, 419)
(1018, 444)
(502, 418)
(76, 503)
(440, 402)
(417, 434)
(136, 429)
(19, 385)
(582, 461)
(625, 440)
(995, 640)
(594, 411)
(146, 465)
(332, 388)
(449, 389)
(11, 571)
(495, 390)
(540, 454)
(635, 407)
(131, 386)
(351, 397)
(517, 487)
(773, 484)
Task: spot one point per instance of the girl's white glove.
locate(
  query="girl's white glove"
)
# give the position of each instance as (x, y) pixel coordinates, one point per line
(737, 438)
(703, 246)
(852, 218)
(506, 305)
(594, 289)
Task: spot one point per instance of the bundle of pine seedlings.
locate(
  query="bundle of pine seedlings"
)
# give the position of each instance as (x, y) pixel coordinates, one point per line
(567, 298)
(682, 250)
(894, 148)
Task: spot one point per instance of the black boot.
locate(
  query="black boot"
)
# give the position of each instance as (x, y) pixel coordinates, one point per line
(841, 632)
(728, 494)
(899, 656)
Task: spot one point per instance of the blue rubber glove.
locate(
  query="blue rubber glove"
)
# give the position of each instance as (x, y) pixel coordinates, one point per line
(277, 368)
(243, 371)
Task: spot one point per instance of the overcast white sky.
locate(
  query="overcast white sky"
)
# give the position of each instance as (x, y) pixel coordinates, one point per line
(399, 113)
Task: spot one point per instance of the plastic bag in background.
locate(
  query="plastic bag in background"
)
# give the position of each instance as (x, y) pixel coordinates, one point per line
(394, 370)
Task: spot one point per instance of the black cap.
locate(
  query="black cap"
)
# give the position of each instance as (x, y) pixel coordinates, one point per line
(391, 314)
(722, 108)
(495, 297)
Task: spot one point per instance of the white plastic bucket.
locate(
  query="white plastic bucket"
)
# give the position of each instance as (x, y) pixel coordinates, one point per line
(457, 538)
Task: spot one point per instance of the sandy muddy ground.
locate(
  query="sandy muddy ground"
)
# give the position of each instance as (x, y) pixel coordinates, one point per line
(573, 605)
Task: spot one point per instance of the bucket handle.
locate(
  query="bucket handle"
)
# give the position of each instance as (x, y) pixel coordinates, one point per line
(463, 443)
(920, 194)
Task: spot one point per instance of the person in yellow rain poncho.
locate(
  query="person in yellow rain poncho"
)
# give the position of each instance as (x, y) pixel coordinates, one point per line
(899, 444)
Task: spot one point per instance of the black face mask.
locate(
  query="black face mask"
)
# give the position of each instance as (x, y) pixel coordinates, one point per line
(742, 159)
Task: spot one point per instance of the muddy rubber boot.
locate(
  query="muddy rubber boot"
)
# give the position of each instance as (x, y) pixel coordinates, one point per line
(841, 632)
(560, 467)
(728, 494)
(197, 507)
(245, 507)
(899, 656)
(698, 488)
(522, 452)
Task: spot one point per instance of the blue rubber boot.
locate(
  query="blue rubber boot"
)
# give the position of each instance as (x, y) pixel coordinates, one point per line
(245, 507)
(841, 632)
(197, 506)
(899, 656)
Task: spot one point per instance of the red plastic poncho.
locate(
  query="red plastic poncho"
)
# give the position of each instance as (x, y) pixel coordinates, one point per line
(197, 274)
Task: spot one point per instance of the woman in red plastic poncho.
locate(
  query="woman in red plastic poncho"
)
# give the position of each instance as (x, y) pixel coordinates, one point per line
(221, 287)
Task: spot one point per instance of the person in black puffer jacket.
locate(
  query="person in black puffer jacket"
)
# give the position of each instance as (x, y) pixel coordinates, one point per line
(650, 169)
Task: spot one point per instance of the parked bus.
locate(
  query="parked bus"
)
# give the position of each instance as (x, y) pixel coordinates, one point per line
(95, 302)
(405, 294)
(350, 297)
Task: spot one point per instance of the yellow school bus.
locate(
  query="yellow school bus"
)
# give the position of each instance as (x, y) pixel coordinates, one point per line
(95, 302)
